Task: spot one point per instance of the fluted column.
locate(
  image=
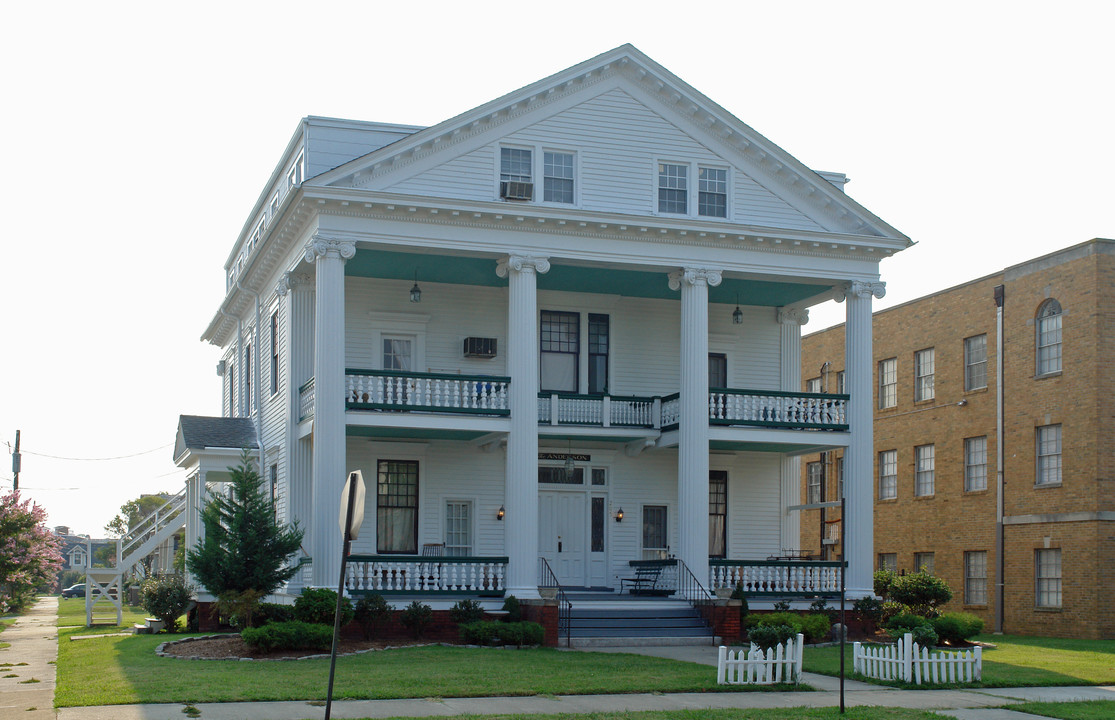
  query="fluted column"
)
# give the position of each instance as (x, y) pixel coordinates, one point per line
(297, 291)
(859, 458)
(520, 530)
(693, 429)
(329, 256)
(789, 323)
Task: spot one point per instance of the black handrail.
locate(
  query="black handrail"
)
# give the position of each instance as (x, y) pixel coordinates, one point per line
(693, 591)
(565, 608)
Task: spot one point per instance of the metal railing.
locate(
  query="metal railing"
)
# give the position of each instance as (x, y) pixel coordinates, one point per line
(547, 579)
(691, 589)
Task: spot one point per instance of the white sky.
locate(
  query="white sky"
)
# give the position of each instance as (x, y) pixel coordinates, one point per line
(138, 136)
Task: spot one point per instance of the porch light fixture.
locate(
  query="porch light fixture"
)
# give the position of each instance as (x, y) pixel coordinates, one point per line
(737, 314)
(619, 515)
(500, 513)
(416, 292)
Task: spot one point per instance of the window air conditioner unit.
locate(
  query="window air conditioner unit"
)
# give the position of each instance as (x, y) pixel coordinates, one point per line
(478, 347)
(516, 190)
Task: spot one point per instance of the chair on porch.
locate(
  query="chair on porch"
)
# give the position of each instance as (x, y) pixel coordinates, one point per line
(645, 581)
(434, 568)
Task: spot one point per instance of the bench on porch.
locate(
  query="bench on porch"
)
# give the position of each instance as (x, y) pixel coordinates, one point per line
(645, 581)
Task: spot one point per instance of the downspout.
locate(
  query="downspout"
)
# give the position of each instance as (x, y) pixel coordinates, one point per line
(258, 377)
(1000, 573)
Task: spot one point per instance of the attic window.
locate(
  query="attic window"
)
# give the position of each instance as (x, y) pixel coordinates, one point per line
(515, 176)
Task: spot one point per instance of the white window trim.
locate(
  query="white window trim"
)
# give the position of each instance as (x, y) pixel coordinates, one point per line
(409, 325)
(882, 385)
(582, 337)
(537, 171)
(930, 392)
(443, 528)
(1038, 476)
(692, 188)
(932, 471)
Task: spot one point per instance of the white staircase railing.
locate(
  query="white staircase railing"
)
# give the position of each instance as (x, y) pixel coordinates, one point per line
(104, 584)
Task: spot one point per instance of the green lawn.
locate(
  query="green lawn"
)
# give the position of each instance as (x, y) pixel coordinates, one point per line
(71, 611)
(1015, 661)
(122, 670)
(1084, 710)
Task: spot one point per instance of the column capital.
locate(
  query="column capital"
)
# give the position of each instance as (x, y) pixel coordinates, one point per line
(293, 281)
(793, 316)
(522, 263)
(861, 289)
(694, 276)
(324, 246)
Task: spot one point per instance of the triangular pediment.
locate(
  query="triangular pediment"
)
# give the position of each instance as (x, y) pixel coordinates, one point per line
(620, 114)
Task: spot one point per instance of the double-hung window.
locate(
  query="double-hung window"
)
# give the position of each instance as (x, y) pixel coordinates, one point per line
(975, 463)
(888, 383)
(717, 370)
(397, 507)
(515, 165)
(558, 172)
(674, 190)
(718, 513)
(458, 528)
(1048, 327)
(923, 374)
(712, 192)
(274, 352)
(655, 544)
(924, 461)
(560, 351)
(813, 475)
(923, 561)
(975, 362)
(888, 561)
(557, 177)
(975, 577)
(597, 354)
(1047, 571)
(888, 474)
(248, 377)
(398, 353)
(1048, 445)
(813, 385)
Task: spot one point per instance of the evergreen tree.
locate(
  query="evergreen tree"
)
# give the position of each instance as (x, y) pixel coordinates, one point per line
(243, 556)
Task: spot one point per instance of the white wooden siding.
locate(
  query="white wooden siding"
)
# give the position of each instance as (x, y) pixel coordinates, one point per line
(618, 142)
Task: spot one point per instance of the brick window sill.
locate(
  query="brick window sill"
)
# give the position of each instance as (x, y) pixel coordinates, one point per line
(1046, 486)
(1047, 609)
(1046, 376)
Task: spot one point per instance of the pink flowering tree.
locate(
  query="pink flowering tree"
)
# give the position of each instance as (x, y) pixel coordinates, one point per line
(29, 557)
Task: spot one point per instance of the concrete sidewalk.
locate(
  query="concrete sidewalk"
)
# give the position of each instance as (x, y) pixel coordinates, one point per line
(34, 641)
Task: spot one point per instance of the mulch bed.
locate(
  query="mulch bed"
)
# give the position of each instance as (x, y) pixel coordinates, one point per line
(231, 647)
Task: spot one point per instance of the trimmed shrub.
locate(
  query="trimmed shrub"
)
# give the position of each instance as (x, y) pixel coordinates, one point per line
(416, 617)
(319, 606)
(514, 610)
(883, 580)
(739, 594)
(955, 628)
(370, 611)
(486, 632)
(821, 605)
(767, 636)
(166, 598)
(792, 620)
(782, 606)
(466, 611)
(925, 636)
(750, 621)
(921, 592)
(905, 623)
(816, 627)
(293, 635)
(268, 613)
(869, 608)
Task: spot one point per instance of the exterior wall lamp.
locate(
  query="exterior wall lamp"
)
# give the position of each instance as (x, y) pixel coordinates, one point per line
(416, 292)
(619, 515)
(500, 513)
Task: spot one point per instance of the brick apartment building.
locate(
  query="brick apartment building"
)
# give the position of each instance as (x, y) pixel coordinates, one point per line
(937, 452)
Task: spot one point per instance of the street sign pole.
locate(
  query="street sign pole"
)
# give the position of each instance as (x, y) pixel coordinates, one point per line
(350, 529)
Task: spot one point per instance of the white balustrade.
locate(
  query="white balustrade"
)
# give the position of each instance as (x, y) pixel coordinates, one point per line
(425, 574)
(306, 401)
(757, 408)
(427, 392)
(791, 578)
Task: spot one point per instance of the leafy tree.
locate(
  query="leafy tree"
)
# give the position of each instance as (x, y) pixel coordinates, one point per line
(29, 556)
(244, 555)
(133, 511)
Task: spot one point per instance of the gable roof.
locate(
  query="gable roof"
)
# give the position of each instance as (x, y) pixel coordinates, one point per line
(197, 432)
(809, 192)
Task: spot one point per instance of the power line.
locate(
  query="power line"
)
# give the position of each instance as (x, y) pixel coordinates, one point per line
(97, 459)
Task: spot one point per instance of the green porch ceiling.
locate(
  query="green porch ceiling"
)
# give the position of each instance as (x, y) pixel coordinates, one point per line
(461, 270)
(392, 433)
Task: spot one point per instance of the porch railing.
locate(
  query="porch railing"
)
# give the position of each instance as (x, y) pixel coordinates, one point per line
(598, 410)
(387, 574)
(306, 400)
(777, 409)
(802, 578)
(396, 390)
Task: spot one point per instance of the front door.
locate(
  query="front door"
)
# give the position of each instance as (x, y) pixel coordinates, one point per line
(562, 527)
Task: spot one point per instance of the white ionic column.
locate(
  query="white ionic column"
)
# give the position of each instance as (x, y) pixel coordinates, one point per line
(329, 472)
(693, 431)
(520, 532)
(790, 322)
(297, 291)
(859, 458)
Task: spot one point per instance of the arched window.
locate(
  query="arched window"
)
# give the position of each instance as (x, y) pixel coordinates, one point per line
(1049, 337)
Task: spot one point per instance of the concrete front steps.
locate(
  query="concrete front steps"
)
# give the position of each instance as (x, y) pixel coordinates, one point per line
(624, 620)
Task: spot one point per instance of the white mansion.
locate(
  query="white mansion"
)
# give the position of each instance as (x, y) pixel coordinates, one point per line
(564, 325)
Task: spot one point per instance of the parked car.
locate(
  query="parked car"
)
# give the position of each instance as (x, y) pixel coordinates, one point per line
(74, 591)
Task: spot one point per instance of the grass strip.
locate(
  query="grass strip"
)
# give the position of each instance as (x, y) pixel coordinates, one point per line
(1080, 710)
(852, 713)
(71, 611)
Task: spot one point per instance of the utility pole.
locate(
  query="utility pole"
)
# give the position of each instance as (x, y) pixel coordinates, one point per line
(15, 464)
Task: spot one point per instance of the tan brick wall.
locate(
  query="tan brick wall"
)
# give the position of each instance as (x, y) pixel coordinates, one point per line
(1080, 399)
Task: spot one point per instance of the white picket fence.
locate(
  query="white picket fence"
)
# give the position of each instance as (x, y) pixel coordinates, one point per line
(753, 666)
(909, 662)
